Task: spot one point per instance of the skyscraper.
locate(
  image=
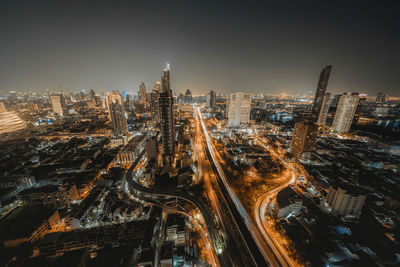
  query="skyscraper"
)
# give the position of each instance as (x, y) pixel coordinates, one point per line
(154, 107)
(211, 99)
(380, 98)
(345, 112)
(188, 97)
(167, 123)
(59, 105)
(116, 112)
(324, 109)
(303, 138)
(142, 93)
(2, 107)
(92, 94)
(321, 88)
(239, 109)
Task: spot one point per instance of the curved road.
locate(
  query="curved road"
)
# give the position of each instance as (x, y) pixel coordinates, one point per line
(212, 229)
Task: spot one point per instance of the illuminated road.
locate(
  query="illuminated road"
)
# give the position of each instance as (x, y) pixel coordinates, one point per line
(255, 242)
(238, 251)
(273, 239)
(160, 194)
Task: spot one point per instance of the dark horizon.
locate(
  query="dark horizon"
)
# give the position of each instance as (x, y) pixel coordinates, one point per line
(225, 46)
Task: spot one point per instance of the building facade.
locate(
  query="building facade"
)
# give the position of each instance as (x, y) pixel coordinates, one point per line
(345, 112)
(321, 89)
(167, 122)
(303, 138)
(324, 109)
(345, 200)
(59, 105)
(116, 112)
(239, 109)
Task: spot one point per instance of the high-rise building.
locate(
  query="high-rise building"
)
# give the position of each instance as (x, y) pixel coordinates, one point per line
(321, 88)
(188, 97)
(380, 98)
(239, 109)
(345, 112)
(92, 94)
(2, 107)
(152, 148)
(59, 105)
(154, 107)
(167, 123)
(142, 93)
(303, 138)
(345, 200)
(324, 109)
(211, 99)
(116, 112)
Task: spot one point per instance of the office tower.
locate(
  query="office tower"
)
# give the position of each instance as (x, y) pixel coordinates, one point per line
(2, 107)
(321, 88)
(152, 148)
(116, 112)
(380, 98)
(154, 107)
(92, 94)
(324, 109)
(211, 99)
(303, 138)
(345, 112)
(142, 93)
(167, 123)
(188, 97)
(59, 105)
(239, 109)
(345, 200)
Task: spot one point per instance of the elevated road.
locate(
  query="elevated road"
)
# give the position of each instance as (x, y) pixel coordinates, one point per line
(150, 194)
(260, 250)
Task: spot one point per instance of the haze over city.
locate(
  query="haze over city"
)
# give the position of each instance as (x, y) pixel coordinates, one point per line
(259, 47)
(199, 134)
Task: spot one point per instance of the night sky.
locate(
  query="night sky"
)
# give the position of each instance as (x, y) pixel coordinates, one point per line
(225, 46)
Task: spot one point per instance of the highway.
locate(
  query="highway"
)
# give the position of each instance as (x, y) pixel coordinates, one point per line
(255, 242)
(239, 253)
(260, 210)
(155, 195)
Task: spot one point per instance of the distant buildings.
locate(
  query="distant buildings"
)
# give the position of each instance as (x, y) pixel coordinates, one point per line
(345, 112)
(116, 112)
(188, 99)
(321, 89)
(288, 203)
(324, 109)
(303, 139)
(345, 200)
(167, 123)
(59, 105)
(239, 109)
(142, 93)
(211, 99)
(380, 98)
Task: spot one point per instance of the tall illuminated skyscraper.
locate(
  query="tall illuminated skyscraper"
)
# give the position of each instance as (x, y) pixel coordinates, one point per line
(324, 109)
(167, 123)
(239, 109)
(59, 105)
(380, 98)
(345, 112)
(142, 93)
(321, 88)
(116, 112)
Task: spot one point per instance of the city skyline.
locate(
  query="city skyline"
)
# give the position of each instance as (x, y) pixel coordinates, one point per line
(255, 48)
